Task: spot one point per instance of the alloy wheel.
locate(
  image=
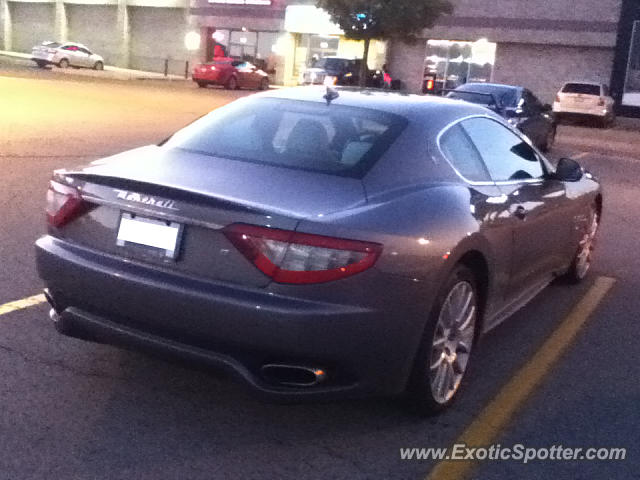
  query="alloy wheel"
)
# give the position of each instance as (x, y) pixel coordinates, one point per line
(587, 245)
(452, 342)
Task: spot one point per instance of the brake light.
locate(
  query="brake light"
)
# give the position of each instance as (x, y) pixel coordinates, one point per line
(301, 258)
(558, 97)
(64, 204)
(430, 84)
(213, 67)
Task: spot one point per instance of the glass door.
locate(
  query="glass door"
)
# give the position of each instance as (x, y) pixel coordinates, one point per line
(631, 95)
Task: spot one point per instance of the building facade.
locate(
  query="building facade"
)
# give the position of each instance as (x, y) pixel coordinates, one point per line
(537, 43)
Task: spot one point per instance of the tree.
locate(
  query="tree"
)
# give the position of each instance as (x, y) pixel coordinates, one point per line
(383, 19)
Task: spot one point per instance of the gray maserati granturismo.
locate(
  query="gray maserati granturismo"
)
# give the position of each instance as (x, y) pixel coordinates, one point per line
(318, 243)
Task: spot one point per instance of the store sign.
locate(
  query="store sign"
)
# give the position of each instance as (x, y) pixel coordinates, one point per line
(309, 19)
(242, 2)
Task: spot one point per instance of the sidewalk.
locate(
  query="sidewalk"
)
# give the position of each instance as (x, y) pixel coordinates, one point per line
(623, 138)
(108, 72)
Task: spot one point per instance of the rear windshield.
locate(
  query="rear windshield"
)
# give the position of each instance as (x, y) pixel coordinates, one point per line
(333, 63)
(583, 88)
(332, 139)
(486, 94)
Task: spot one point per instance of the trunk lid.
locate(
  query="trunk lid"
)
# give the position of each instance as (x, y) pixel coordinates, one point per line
(202, 195)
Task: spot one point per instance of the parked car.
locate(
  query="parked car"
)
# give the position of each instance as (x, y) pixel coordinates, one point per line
(65, 55)
(230, 73)
(339, 71)
(518, 105)
(318, 243)
(585, 99)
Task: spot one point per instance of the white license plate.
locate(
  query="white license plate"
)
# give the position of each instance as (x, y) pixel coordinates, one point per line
(158, 234)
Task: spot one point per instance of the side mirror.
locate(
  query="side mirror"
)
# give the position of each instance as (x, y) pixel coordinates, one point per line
(568, 170)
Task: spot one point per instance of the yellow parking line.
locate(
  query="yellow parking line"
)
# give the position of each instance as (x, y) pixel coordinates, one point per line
(22, 304)
(497, 414)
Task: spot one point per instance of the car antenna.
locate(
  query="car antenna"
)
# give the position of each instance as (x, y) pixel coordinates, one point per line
(331, 95)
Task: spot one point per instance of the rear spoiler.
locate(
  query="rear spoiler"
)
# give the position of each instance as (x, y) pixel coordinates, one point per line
(494, 101)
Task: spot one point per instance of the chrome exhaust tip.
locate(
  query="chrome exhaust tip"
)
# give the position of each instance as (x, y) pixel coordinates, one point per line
(53, 315)
(293, 375)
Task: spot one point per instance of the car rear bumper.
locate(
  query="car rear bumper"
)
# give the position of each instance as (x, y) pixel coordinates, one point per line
(364, 351)
(199, 77)
(577, 111)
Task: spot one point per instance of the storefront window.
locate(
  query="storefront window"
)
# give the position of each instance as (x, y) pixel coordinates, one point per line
(632, 82)
(311, 48)
(455, 63)
(242, 45)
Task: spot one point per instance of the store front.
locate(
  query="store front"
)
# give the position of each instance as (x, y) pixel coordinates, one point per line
(452, 63)
(313, 36)
(625, 83)
(631, 93)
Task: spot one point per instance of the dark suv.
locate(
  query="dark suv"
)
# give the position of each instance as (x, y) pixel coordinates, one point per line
(344, 71)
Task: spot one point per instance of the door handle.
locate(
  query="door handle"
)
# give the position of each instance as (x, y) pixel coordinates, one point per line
(520, 212)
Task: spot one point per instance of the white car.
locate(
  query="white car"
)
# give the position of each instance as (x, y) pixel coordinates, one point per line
(585, 99)
(67, 54)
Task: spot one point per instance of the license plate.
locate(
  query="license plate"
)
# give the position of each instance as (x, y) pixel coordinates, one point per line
(158, 234)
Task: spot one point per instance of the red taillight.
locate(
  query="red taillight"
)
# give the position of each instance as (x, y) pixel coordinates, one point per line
(64, 203)
(430, 84)
(558, 98)
(301, 258)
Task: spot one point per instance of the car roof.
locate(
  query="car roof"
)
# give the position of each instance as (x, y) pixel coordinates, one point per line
(495, 85)
(73, 43)
(585, 82)
(438, 111)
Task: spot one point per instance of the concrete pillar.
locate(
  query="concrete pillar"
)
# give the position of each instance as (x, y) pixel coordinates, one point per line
(406, 63)
(7, 31)
(123, 35)
(61, 25)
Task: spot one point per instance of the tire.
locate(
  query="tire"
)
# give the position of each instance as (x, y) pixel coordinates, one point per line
(64, 63)
(41, 64)
(264, 84)
(202, 84)
(550, 139)
(98, 65)
(232, 84)
(583, 258)
(447, 344)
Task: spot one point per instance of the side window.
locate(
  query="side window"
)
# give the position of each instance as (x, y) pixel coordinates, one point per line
(506, 155)
(462, 154)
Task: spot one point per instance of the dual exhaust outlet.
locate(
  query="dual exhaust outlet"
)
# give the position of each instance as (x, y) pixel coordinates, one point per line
(293, 375)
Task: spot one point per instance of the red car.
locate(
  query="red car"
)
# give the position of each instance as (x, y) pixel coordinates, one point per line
(230, 73)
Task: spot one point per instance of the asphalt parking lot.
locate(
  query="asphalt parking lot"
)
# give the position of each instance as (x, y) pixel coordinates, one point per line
(70, 409)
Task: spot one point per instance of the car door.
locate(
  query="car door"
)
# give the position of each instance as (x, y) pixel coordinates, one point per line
(532, 122)
(487, 204)
(245, 71)
(84, 57)
(536, 204)
(71, 54)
